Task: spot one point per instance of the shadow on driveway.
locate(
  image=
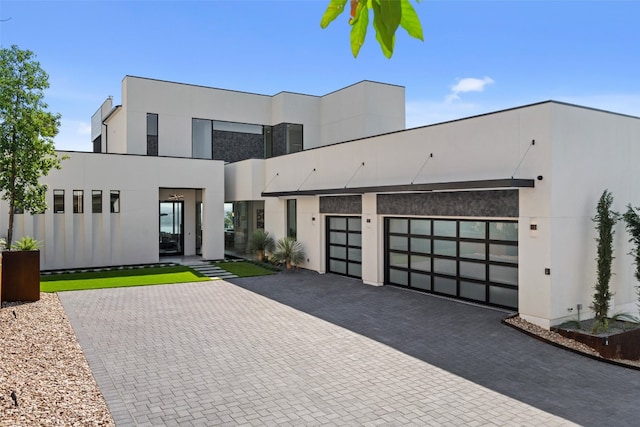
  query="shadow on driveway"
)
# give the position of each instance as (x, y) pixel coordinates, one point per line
(466, 340)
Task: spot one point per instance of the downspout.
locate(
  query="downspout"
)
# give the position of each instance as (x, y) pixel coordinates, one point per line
(106, 127)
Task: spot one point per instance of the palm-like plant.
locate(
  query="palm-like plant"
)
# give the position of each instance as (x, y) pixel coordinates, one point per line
(261, 242)
(289, 251)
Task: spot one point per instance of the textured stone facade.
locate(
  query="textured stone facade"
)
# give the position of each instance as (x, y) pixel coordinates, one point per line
(493, 203)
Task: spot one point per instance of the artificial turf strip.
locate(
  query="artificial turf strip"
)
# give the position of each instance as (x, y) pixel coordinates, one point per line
(243, 269)
(119, 278)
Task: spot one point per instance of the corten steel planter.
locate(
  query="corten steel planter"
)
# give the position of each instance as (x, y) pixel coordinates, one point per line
(621, 345)
(20, 275)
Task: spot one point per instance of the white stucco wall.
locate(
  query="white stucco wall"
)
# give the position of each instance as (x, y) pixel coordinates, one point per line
(363, 109)
(131, 236)
(246, 180)
(592, 151)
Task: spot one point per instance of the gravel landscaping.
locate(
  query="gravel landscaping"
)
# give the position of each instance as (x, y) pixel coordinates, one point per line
(44, 377)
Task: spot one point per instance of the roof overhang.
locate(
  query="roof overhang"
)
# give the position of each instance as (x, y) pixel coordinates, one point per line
(411, 188)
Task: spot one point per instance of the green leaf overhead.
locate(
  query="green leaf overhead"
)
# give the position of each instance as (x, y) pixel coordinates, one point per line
(410, 21)
(359, 23)
(335, 8)
(388, 15)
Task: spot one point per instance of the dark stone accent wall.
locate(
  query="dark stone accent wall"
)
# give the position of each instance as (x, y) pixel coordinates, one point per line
(236, 146)
(279, 140)
(490, 203)
(341, 204)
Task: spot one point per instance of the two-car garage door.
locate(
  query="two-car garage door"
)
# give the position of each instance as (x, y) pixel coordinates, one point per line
(475, 260)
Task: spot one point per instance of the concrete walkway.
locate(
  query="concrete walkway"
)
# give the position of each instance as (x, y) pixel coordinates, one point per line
(307, 349)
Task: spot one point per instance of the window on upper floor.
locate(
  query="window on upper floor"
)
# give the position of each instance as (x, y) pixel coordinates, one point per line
(58, 201)
(114, 201)
(78, 201)
(97, 144)
(96, 201)
(294, 138)
(201, 139)
(152, 134)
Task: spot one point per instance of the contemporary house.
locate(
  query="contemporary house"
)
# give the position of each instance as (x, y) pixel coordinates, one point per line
(494, 209)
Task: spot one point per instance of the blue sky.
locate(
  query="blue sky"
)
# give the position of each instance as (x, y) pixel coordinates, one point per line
(478, 56)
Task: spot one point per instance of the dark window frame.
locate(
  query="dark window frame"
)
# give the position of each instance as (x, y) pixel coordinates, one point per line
(78, 201)
(58, 201)
(152, 137)
(114, 201)
(292, 220)
(96, 202)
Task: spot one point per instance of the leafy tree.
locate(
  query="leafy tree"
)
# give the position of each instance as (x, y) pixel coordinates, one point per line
(388, 15)
(605, 220)
(27, 130)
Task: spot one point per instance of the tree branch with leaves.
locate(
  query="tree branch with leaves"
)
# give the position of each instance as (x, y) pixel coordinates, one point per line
(388, 16)
(27, 130)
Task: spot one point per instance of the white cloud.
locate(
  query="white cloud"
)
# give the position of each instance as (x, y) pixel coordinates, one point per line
(469, 84)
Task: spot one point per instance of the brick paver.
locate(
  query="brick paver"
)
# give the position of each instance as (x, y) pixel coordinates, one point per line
(215, 353)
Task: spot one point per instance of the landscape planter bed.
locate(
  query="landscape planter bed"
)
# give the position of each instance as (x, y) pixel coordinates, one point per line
(615, 345)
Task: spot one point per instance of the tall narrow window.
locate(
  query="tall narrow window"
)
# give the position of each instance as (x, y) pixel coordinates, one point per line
(114, 201)
(292, 224)
(294, 138)
(78, 201)
(152, 134)
(96, 201)
(58, 201)
(201, 139)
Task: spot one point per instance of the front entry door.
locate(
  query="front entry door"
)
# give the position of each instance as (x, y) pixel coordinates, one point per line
(171, 228)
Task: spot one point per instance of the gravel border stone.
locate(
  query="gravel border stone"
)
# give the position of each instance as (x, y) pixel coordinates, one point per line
(45, 379)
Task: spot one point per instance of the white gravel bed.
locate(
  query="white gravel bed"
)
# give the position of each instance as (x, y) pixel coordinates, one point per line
(45, 379)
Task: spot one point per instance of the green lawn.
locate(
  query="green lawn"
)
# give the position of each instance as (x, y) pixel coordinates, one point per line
(244, 269)
(119, 278)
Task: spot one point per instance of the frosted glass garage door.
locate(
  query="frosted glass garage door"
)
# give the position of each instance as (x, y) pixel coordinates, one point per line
(344, 245)
(474, 260)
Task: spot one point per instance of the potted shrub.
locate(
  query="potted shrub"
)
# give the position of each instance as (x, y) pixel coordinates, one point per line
(21, 271)
(261, 242)
(289, 251)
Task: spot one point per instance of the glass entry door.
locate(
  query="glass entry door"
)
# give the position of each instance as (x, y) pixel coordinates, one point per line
(171, 228)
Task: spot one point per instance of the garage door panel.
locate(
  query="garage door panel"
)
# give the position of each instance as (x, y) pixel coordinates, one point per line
(344, 245)
(475, 260)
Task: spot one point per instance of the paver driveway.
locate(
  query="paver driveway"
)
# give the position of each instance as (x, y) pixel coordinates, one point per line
(307, 349)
